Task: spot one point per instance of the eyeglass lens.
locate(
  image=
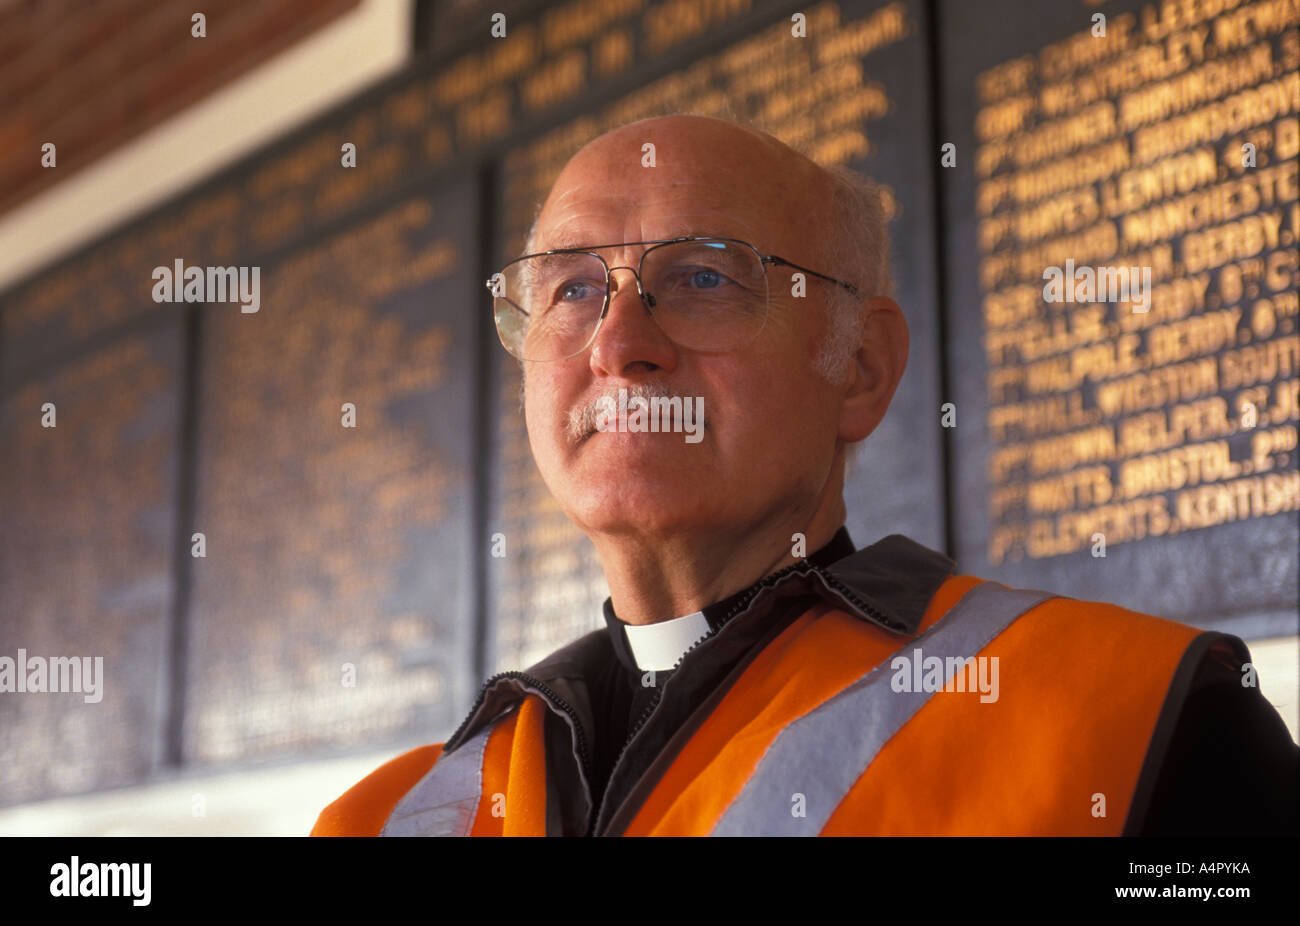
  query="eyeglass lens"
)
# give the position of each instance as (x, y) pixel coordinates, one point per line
(704, 295)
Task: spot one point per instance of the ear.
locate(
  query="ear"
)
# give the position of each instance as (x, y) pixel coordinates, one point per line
(877, 367)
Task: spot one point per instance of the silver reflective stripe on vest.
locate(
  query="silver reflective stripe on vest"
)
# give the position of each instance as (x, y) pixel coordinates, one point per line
(445, 801)
(822, 754)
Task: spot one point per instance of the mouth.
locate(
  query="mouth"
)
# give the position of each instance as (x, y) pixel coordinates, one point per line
(677, 430)
(649, 410)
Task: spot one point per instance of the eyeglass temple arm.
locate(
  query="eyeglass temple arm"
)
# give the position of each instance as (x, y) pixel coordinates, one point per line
(781, 260)
(490, 283)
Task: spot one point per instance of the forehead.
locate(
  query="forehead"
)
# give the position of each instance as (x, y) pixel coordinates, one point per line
(582, 210)
(721, 183)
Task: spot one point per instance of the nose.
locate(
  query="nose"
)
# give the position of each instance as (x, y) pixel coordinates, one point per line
(630, 340)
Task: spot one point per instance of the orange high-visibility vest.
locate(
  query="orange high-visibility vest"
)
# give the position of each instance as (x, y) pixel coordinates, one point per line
(1008, 712)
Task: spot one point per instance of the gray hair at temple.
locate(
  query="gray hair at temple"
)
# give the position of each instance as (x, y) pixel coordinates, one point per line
(857, 250)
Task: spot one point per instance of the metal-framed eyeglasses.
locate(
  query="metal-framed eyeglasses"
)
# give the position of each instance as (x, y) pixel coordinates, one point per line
(705, 293)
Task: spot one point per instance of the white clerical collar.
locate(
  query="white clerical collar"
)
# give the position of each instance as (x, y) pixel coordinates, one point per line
(658, 646)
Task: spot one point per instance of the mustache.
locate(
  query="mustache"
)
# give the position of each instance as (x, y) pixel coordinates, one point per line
(582, 419)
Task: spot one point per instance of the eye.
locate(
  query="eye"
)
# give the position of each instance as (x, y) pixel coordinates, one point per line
(695, 278)
(577, 291)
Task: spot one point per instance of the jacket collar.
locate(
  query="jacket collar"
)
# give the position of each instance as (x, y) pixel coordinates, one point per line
(888, 584)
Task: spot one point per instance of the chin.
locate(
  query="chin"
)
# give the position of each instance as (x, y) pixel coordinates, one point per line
(638, 497)
(671, 516)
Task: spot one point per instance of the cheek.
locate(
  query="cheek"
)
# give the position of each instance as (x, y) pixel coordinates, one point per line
(539, 412)
(786, 411)
(795, 329)
(771, 413)
(549, 397)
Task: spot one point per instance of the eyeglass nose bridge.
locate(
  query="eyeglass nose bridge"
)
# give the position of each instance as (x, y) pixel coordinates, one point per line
(647, 299)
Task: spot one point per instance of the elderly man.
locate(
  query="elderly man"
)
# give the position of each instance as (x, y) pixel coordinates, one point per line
(757, 674)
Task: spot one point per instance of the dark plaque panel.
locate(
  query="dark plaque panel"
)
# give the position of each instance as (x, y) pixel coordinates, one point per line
(86, 558)
(94, 292)
(335, 595)
(852, 91)
(1162, 420)
(896, 484)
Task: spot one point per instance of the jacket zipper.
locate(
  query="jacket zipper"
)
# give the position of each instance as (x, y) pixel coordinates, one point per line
(641, 721)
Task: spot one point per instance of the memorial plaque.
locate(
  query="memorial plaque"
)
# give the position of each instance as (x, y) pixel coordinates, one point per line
(1159, 419)
(335, 596)
(86, 563)
(896, 484)
(853, 90)
(86, 296)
